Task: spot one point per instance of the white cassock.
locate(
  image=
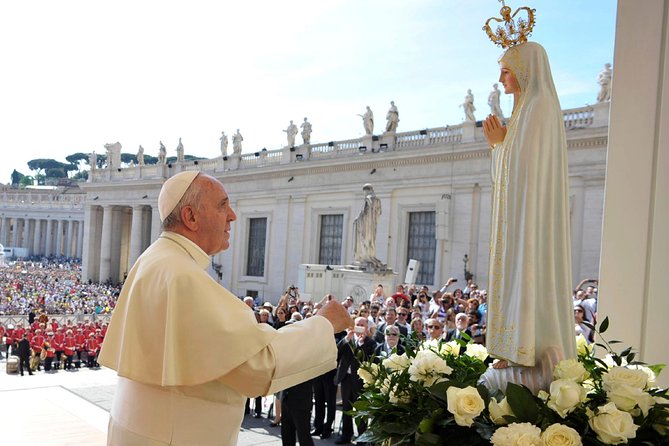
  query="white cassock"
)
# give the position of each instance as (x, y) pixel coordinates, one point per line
(188, 352)
(530, 315)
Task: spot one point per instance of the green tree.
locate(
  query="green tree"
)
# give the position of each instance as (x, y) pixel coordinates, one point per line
(128, 158)
(26, 180)
(56, 172)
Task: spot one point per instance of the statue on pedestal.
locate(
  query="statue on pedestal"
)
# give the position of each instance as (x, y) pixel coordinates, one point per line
(364, 230)
(291, 132)
(530, 322)
(306, 131)
(224, 144)
(93, 160)
(180, 152)
(604, 81)
(493, 102)
(237, 139)
(468, 107)
(140, 155)
(162, 154)
(392, 117)
(368, 121)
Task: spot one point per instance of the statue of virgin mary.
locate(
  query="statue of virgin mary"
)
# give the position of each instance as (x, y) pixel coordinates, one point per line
(530, 318)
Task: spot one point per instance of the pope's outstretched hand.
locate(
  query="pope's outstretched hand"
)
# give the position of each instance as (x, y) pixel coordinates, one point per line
(335, 312)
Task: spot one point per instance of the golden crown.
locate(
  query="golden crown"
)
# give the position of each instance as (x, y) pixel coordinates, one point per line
(510, 33)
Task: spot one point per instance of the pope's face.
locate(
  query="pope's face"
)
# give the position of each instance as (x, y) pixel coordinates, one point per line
(215, 216)
(508, 79)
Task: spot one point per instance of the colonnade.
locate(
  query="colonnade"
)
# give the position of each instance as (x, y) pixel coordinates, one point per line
(47, 236)
(114, 237)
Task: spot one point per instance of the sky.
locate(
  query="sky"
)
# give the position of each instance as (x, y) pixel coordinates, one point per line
(76, 75)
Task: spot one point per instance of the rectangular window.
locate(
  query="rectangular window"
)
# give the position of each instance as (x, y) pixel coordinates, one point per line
(332, 227)
(255, 262)
(422, 244)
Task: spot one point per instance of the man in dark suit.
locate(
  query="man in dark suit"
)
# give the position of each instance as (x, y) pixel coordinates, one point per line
(24, 355)
(391, 342)
(461, 328)
(391, 319)
(355, 345)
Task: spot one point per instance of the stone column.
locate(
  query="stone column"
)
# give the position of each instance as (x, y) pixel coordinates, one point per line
(68, 239)
(3, 231)
(635, 242)
(37, 237)
(49, 238)
(59, 238)
(26, 235)
(105, 246)
(80, 238)
(16, 231)
(155, 223)
(135, 234)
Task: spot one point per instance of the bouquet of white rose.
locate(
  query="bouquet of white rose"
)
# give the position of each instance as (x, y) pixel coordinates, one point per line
(430, 396)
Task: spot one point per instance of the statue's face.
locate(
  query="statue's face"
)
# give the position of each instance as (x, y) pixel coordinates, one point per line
(508, 79)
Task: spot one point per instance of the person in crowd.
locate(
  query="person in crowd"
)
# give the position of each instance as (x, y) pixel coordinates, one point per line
(402, 319)
(579, 325)
(435, 329)
(24, 352)
(280, 317)
(69, 348)
(378, 296)
(296, 414)
(348, 304)
(390, 319)
(391, 342)
(198, 360)
(461, 330)
(418, 328)
(355, 346)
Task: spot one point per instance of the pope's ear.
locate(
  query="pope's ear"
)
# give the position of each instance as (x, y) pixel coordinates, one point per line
(188, 217)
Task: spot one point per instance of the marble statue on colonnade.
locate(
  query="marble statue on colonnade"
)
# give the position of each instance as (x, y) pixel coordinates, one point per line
(392, 117)
(224, 144)
(140, 156)
(237, 139)
(306, 131)
(180, 152)
(493, 102)
(468, 107)
(113, 155)
(93, 160)
(162, 154)
(364, 230)
(368, 121)
(291, 132)
(604, 81)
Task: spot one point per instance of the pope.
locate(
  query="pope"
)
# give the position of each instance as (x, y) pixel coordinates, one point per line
(187, 351)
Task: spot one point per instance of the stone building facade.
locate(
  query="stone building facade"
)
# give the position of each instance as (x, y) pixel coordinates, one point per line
(296, 206)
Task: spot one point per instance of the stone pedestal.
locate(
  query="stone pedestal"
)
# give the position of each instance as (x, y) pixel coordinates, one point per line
(388, 138)
(468, 131)
(600, 116)
(234, 161)
(315, 281)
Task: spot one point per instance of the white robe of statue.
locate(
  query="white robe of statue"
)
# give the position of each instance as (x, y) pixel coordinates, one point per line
(530, 318)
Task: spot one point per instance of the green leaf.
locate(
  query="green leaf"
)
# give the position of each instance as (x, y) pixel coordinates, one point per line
(522, 403)
(657, 368)
(604, 325)
(398, 428)
(428, 439)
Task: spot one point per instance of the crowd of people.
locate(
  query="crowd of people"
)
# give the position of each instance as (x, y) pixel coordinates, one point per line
(382, 324)
(53, 286)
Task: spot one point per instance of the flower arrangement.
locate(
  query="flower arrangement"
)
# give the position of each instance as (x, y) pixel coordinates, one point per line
(430, 396)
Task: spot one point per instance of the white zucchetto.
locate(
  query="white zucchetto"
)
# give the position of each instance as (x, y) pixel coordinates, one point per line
(172, 191)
